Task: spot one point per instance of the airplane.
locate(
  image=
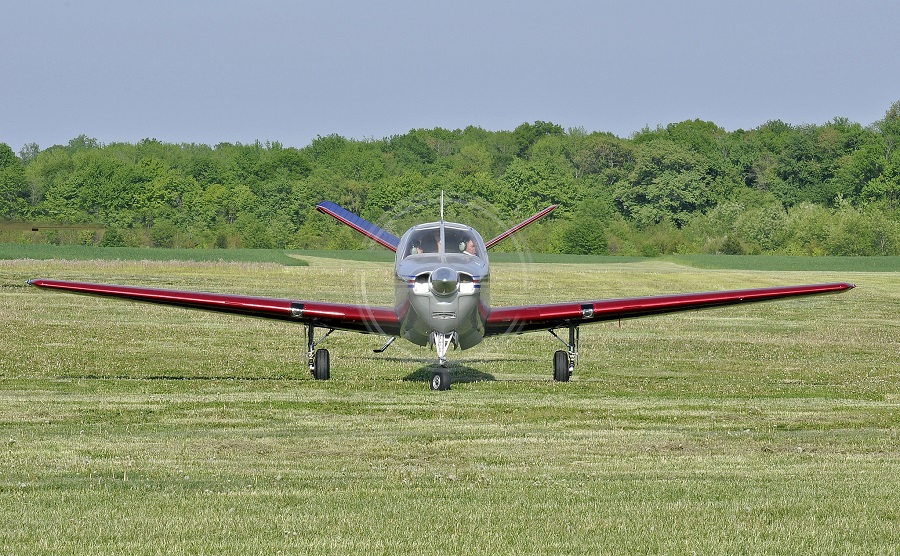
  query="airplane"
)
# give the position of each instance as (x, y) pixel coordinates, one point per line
(441, 298)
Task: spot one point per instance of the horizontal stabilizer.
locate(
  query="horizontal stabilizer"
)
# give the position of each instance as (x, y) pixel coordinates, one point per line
(359, 224)
(519, 226)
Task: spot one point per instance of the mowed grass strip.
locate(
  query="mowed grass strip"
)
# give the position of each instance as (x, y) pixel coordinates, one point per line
(131, 428)
(14, 251)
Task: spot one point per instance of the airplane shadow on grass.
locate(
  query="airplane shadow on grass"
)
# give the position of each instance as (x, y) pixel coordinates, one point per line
(459, 373)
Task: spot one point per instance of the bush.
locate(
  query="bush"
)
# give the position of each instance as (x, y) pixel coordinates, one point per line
(112, 238)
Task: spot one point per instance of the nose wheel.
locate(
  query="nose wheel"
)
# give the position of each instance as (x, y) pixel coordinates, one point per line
(440, 379)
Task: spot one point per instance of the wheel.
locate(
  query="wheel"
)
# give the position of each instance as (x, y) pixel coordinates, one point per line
(440, 380)
(322, 365)
(561, 366)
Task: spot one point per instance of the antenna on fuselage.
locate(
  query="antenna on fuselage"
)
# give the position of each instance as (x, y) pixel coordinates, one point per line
(441, 244)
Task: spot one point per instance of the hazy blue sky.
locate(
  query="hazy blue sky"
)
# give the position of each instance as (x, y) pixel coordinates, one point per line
(240, 71)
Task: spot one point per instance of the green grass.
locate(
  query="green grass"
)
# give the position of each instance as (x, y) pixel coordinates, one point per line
(785, 262)
(13, 251)
(374, 254)
(140, 429)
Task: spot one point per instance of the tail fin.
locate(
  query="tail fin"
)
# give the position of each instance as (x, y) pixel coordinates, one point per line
(519, 226)
(359, 224)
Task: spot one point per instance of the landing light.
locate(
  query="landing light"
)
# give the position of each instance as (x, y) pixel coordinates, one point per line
(420, 286)
(466, 285)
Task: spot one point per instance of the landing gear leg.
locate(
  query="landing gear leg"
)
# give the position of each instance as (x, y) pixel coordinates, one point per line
(319, 360)
(564, 361)
(440, 378)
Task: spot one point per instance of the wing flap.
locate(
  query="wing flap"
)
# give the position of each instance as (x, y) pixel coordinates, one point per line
(358, 318)
(526, 318)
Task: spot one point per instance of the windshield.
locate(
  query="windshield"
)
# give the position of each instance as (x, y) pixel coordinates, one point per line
(427, 240)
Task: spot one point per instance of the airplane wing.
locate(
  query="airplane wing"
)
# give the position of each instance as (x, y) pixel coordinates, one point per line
(527, 318)
(359, 224)
(358, 318)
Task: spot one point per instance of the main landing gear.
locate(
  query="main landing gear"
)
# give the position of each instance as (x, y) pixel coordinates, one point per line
(564, 361)
(319, 359)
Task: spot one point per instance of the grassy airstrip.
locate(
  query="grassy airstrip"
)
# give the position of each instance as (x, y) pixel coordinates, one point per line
(137, 429)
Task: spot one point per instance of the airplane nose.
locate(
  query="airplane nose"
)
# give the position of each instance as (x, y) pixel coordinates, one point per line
(444, 281)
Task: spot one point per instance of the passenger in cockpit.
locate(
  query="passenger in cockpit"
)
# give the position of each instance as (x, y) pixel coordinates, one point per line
(437, 241)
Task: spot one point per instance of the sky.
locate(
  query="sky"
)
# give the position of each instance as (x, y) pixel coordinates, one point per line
(190, 71)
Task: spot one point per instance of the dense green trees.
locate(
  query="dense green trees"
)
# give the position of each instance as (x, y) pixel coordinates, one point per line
(689, 187)
(13, 190)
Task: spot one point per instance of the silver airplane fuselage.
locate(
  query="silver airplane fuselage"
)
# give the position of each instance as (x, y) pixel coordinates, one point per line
(441, 287)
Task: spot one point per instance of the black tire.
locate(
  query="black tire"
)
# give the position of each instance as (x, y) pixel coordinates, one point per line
(561, 366)
(440, 380)
(322, 365)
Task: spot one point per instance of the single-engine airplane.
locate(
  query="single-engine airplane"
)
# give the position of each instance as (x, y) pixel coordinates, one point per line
(441, 290)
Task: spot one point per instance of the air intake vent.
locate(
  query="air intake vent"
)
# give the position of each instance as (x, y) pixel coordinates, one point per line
(443, 315)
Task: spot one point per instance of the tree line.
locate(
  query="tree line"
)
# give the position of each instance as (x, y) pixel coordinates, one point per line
(688, 187)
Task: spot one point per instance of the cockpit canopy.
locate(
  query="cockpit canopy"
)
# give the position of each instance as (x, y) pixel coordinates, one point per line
(425, 239)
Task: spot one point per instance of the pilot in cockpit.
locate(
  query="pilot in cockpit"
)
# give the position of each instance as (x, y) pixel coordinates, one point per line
(429, 241)
(426, 242)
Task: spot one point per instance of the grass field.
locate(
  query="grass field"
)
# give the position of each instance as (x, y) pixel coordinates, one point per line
(14, 251)
(137, 429)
